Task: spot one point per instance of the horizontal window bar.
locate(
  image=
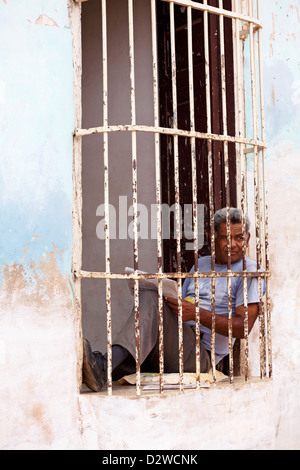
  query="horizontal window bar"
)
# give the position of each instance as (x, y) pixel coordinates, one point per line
(210, 9)
(216, 11)
(177, 275)
(169, 131)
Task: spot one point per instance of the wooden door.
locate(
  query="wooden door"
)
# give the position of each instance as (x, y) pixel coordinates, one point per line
(183, 106)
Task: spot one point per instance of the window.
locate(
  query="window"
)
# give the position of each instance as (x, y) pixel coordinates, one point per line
(173, 116)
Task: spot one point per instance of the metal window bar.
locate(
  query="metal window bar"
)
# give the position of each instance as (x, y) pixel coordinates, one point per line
(177, 198)
(240, 149)
(211, 189)
(257, 185)
(227, 188)
(265, 201)
(195, 193)
(106, 199)
(134, 193)
(158, 195)
(244, 25)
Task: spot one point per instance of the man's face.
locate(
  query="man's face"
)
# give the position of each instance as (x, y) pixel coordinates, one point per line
(236, 243)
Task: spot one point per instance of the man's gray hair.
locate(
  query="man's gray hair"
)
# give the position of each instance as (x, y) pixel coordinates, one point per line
(235, 218)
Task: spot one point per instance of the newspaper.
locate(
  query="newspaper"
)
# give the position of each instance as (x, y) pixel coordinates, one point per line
(151, 380)
(169, 287)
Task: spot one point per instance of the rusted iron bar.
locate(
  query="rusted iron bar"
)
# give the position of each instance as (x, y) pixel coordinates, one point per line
(211, 190)
(217, 11)
(158, 192)
(195, 189)
(266, 211)
(240, 149)
(257, 184)
(177, 195)
(260, 207)
(106, 198)
(168, 131)
(134, 194)
(227, 188)
(102, 275)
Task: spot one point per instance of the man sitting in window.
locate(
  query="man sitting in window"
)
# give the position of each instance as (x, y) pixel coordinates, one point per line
(123, 350)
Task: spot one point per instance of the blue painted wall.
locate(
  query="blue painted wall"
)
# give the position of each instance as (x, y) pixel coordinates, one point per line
(280, 47)
(37, 122)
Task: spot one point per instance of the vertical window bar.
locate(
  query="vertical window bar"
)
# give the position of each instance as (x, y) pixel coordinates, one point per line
(158, 192)
(106, 199)
(195, 191)
(266, 212)
(134, 195)
(227, 189)
(77, 201)
(177, 195)
(256, 178)
(243, 170)
(211, 191)
(261, 210)
(260, 197)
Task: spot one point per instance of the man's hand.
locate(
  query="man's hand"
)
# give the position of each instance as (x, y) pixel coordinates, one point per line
(188, 309)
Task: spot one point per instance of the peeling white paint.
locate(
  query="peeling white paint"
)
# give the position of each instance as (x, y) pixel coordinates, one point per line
(44, 20)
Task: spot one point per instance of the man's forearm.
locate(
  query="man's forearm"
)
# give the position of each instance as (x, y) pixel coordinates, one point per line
(221, 324)
(221, 321)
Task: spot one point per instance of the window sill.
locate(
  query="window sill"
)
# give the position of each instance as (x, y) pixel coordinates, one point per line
(129, 391)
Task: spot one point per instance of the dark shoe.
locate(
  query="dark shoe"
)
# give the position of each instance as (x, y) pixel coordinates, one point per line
(93, 373)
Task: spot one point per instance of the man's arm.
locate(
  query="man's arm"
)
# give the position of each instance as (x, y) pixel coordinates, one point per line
(221, 322)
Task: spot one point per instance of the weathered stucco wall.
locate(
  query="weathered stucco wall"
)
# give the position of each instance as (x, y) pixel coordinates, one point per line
(39, 403)
(37, 327)
(282, 99)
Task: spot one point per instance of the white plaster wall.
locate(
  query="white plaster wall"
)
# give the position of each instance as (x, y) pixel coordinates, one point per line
(38, 407)
(237, 417)
(281, 76)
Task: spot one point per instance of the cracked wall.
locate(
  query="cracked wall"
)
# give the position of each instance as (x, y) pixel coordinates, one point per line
(38, 358)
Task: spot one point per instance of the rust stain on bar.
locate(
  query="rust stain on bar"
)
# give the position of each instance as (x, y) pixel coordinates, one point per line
(245, 287)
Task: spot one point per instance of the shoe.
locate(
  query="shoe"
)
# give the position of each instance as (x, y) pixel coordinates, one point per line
(94, 372)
